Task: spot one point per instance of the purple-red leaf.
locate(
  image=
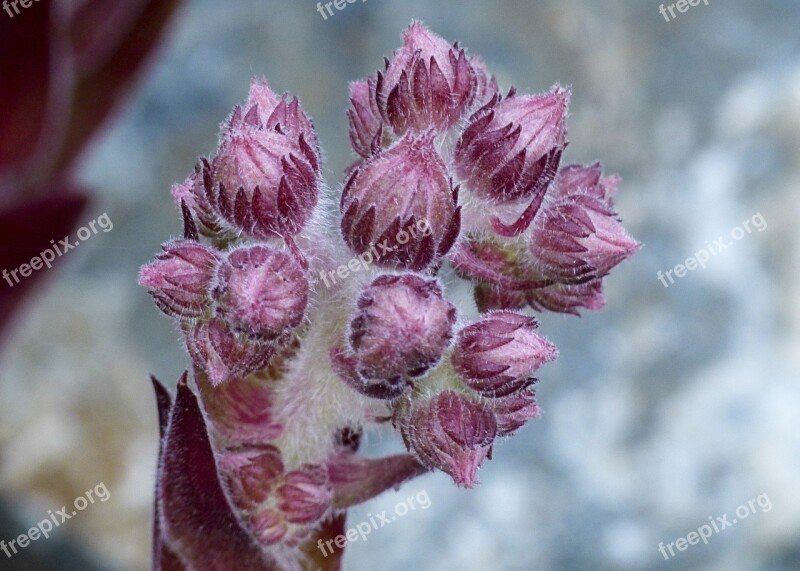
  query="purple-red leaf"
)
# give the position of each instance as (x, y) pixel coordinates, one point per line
(357, 479)
(25, 232)
(96, 93)
(197, 519)
(25, 76)
(164, 559)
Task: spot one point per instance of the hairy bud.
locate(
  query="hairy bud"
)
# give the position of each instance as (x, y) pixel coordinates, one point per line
(279, 506)
(180, 279)
(428, 84)
(261, 291)
(511, 149)
(452, 433)
(388, 198)
(499, 354)
(578, 238)
(401, 328)
(503, 273)
(264, 179)
(224, 354)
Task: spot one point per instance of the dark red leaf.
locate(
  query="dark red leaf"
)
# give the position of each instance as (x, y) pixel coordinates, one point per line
(25, 232)
(195, 514)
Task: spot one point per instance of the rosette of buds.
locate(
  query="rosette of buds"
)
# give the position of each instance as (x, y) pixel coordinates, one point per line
(452, 181)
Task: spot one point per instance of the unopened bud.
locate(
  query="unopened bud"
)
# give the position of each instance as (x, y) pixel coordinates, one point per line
(265, 175)
(578, 238)
(401, 328)
(499, 354)
(452, 433)
(224, 354)
(401, 205)
(511, 149)
(261, 291)
(180, 279)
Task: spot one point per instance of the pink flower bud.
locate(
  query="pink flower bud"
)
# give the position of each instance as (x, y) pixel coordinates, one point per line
(364, 116)
(224, 354)
(506, 277)
(400, 207)
(502, 272)
(251, 473)
(578, 238)
(499, 354)
(568, 298)
(401, 328)
(180, 279)
(452, 433)
(428, 84)
(192, 193)
(514, 410)
(281, 114)
(265, 176)
(345, 365)
(261, 291)
(279, 506)
(511, 149)
(305, 495)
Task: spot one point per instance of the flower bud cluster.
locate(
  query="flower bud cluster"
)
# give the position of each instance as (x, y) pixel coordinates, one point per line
(523, 229)
(490, 395)
(279, 506)
(238, 302)
(559, 264)
(437, 145)
(512, 216)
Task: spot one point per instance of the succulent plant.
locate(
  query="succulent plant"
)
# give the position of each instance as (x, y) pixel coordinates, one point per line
(259, 456)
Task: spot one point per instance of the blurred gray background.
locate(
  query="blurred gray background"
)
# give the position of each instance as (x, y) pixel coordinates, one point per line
(669, 406)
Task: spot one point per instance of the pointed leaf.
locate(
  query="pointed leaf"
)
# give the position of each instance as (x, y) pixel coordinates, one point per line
(196, 516)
